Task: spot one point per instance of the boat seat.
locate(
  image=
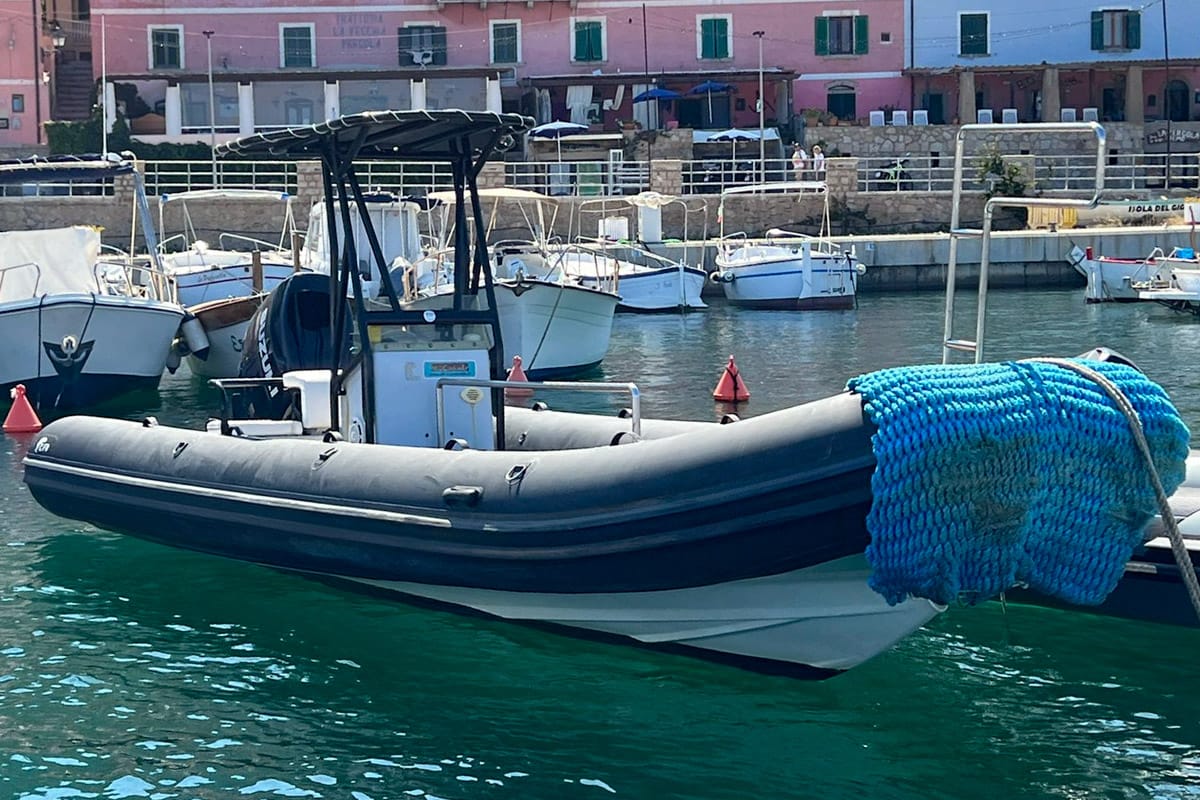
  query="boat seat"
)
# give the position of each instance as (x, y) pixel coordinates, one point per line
(312, 385)
(258, 428)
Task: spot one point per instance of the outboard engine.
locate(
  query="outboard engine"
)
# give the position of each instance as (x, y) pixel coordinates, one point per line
(291, 331)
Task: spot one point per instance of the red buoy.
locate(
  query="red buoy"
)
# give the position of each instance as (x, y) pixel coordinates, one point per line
(21, 417)
(517, 373)
(731, 388)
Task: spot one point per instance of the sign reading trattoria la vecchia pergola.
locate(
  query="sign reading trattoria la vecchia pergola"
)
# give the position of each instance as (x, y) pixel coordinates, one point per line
(1185, 137)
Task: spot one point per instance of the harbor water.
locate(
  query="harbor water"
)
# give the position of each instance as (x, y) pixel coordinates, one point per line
(133, 670)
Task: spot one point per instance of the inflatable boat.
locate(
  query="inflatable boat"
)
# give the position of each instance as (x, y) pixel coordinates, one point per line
(802, 541)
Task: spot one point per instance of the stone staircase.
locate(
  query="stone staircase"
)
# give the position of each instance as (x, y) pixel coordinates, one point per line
(73, 91)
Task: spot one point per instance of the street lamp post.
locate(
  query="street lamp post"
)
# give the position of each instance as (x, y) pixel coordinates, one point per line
(762, 104)
(212, 110)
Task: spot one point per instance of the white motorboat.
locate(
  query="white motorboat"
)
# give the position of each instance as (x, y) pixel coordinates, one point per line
(559, 326)
(1118, 280)
(786, 270)
(222, 286)
(202, 272)
(623, 263)
(80, 328)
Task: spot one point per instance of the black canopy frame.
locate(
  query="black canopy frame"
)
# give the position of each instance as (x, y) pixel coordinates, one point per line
(465, 140)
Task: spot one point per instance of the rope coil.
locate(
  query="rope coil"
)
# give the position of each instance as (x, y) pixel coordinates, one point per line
(994, 475)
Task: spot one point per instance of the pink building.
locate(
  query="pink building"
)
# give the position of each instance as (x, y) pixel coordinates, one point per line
(26, 56)
(276, 63)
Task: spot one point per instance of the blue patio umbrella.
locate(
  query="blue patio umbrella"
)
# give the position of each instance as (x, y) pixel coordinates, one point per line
(710, 88)
(657, 93)
(557, 130)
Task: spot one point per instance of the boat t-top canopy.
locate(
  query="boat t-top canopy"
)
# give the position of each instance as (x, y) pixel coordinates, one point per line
(59, 169)
(224, 194)
(463, 139)
(445, 135)
(796, 187)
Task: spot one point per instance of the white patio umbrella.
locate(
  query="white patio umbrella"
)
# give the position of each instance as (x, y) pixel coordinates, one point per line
(557, 130)
(734, 135)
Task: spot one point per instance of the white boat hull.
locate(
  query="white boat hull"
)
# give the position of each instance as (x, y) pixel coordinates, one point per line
(225, 323)
(785, 276)
(823, 617)
(557, 329)
(74, 350)
(656, 289)
(1112, 279)
(201, 278)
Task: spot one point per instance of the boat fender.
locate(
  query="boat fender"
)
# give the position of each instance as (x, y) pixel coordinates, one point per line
(625, 437)
(462, 495)
(194, 337)
(729, 419)
(174, 359)
(150, 422)
(456, 444)
(540, 405)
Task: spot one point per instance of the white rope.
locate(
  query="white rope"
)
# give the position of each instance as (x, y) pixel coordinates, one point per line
(1186, 568)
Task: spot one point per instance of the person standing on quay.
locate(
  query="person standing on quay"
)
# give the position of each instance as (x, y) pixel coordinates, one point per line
(799, 161)
(818, 160)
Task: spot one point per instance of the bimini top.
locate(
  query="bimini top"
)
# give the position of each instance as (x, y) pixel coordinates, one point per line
(391, 135)
(89, 167)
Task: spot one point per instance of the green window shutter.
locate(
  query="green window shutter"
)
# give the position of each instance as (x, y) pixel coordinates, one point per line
(1097, 30)
(1133, 29)
(822, 36)
(404, 46)
(722, 33)
(439, 46)
(707, 40)
(588, 41)
(596, 43)
(860, 35)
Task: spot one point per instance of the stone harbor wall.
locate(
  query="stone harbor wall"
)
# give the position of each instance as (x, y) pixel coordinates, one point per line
(939, 141)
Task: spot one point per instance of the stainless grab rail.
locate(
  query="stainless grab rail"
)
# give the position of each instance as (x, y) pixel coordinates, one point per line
(635, 394)
(949, 343)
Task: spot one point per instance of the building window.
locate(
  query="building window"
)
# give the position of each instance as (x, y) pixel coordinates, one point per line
(712, 34)
(973, 33)
(506, 41)
(1116, 30)
(841, 101)
(296, 46)
(166, 47)
(18, 104)
(298, 112)
(841, 35)
(587, 41)
(422, 45)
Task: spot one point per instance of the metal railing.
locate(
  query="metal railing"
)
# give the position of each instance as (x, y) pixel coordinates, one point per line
(1123, 172)
(1132, 172)
(168, 177)
(579, 178)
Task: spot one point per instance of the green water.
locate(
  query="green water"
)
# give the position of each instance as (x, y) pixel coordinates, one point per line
(132, 670)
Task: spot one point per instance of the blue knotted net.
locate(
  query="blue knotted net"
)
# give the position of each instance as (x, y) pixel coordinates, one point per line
(994, 475)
